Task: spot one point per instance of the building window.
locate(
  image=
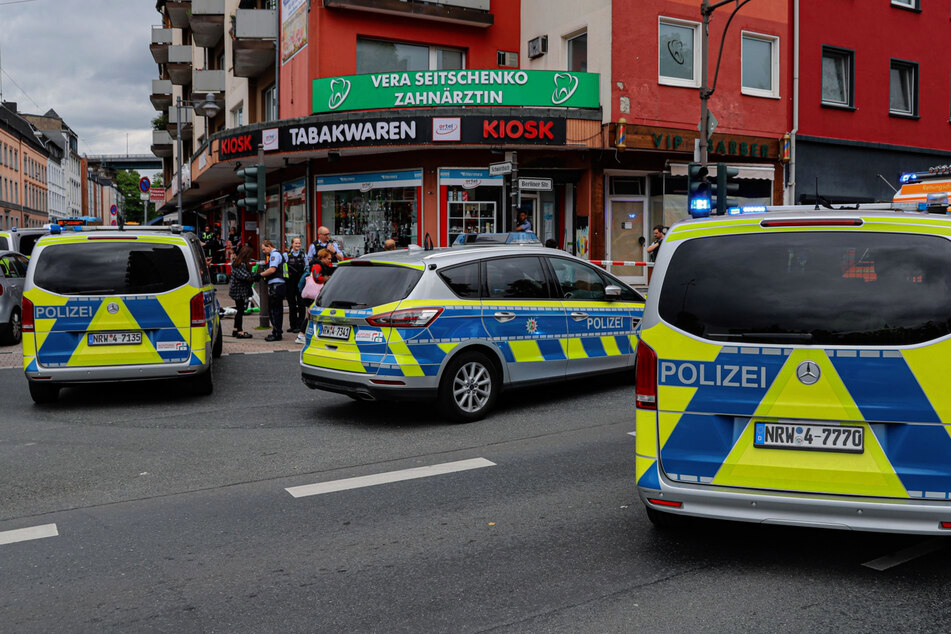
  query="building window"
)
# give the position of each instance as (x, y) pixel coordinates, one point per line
(237, 116)
(907, 4)
(760, 65)
(379, 56)
(903, 88)
(578, 53)
(678, 55)
(269, 96)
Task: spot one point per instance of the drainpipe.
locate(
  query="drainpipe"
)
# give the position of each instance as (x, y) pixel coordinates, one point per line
(277, 61)
(791, 188)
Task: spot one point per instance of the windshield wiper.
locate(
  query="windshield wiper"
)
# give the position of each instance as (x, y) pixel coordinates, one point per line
(343, 303)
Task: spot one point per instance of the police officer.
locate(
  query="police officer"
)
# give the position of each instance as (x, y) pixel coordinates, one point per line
(295, 265)
(276, 289)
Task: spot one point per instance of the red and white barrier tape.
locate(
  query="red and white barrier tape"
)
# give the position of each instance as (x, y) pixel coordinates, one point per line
(619, 263)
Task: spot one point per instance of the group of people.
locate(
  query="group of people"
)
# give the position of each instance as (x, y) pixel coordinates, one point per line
(287, 279)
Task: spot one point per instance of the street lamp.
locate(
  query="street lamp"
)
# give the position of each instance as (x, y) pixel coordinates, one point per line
(206, 107)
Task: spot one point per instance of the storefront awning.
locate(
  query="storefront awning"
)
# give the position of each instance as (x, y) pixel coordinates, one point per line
(753, 172)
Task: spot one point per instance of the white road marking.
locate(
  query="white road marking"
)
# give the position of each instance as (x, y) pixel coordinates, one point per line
(26, 534)
(391, 476)
(632, 433)
(907, 554)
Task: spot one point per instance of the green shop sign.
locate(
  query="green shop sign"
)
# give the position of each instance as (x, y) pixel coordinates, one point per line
(541, 88)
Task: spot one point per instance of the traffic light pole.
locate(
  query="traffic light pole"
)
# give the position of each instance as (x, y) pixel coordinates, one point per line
(263, 319)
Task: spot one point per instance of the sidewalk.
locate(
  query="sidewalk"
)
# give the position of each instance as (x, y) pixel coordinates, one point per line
(257, 344)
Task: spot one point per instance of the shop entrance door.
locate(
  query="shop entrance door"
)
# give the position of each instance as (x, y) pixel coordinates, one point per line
(627, 230)
(529, 204)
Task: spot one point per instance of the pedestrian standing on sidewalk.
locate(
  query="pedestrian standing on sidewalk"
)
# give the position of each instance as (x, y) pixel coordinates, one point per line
(276, 289)
(240, 289)
(654, 248)
(296, 266)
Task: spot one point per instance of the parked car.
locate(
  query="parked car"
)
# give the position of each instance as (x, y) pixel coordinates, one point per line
(12, 273)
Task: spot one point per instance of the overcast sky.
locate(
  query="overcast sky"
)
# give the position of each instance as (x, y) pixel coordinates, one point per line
(89, 60)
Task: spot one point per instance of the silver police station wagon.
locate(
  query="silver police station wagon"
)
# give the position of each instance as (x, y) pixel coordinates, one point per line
(458, 325)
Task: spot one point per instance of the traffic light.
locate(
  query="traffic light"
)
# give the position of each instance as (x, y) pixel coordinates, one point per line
(698, 190)
(724, 187)
(251, 192)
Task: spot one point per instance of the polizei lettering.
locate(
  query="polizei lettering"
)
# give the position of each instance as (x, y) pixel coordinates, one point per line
(686, 374)
(337, 133)
(605, 323)
(62, 312)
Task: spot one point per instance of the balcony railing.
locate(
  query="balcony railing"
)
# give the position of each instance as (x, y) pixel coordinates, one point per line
(468, 12)
(180, 64)
(161, 39)
(207, 22)
(161, 143)
(178, 12)
(186, 122)
(161, 96)
(255, 33)
(208, 81)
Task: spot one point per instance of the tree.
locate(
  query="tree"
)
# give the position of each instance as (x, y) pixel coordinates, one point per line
(127, 181)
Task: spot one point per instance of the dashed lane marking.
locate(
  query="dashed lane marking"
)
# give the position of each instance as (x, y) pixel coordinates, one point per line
(385, 478)
(26, 534)
(632, 433)
(907, 554)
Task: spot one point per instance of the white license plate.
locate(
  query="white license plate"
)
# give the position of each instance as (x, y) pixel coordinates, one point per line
(115, 338)
(334, 332)
(844, 438)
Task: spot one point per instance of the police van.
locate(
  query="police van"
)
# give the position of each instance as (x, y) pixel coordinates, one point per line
(21, 240)
(118, 305)
(793, 368)
(458, 325)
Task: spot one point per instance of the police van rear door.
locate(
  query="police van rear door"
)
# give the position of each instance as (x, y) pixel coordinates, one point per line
(809, 359)
(101, 300)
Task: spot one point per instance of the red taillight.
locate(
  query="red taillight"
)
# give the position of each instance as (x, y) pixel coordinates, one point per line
(670, 503)
(406, 318)
(198, 310)
(385, 382)
(27, 316)
(645, 381)
(815, 222)
(945, 524)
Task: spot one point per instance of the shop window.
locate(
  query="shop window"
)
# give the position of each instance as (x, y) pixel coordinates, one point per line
(678, 53)
(903, 88)
(627, 186)
(760, 65)
(907, 4)
(578, 53)
(380, 56)
(272, 215)
(295, 211)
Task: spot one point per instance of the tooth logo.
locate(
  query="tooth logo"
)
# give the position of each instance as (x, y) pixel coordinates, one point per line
(339, 91)
(565, 87)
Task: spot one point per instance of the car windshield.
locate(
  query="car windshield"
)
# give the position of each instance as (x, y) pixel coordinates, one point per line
(366, 285)
(847, 288)
(110, 268)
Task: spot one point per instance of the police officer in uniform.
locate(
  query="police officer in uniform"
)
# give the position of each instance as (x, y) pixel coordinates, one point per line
(296, 264)
(276, 289)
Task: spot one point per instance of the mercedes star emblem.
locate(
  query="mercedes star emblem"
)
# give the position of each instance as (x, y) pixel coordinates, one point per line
(113, 308)
(808, 372)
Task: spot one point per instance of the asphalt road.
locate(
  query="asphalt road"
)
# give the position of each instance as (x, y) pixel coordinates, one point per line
(172, 513)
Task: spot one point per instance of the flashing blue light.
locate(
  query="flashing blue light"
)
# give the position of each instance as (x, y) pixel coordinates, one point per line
(922, 206)
(907, 177)
(734, 211)
(55, 228)
(700, 207)
(188, 228)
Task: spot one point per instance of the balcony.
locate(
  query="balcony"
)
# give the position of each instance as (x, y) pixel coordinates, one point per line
(254, 36)
(207, 22)
(161, 143)
(179, 66)
(161, 40)
(178, 12)
(468, 12)
(186, 123)
(161, 96)
(208, 81)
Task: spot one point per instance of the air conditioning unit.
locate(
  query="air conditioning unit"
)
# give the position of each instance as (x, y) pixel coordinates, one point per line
(537, 46)
(508, 58)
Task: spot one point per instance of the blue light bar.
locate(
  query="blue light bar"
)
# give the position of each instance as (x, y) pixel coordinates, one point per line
(910, 176)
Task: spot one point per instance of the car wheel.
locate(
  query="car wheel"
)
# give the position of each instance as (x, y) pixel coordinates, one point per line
(665, 521)
(469, 387)
(203, 384)
(13, 331)
(42, 393)
(218, 345)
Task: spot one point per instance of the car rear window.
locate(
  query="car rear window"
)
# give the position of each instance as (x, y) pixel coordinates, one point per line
(110, 268)
(847, 288)
(367, 285)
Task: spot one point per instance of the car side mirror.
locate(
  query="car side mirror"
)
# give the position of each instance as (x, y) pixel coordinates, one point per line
(612, 291)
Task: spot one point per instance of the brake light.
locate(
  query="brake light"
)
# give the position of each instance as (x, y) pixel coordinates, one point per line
(816, 222)
(645, 380)
(198, 310)
(670, 503)
(406, 318)
(27, 317)
(1, 290)
(945, 524)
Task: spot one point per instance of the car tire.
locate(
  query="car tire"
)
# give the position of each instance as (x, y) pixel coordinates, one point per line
(665, 521)
(43, 393)
(13, 331)
(203, 384)
(469, 388)
(218, 345)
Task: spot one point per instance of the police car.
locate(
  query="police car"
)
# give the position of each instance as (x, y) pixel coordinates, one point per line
(21, 240)
(118, 305)
(460, 324)
(793, 368)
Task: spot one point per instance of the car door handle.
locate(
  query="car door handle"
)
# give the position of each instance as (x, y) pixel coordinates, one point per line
(578, 316)
(504, 316)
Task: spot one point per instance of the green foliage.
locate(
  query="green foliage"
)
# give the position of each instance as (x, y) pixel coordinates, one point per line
(127, 181)
(160, 122)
